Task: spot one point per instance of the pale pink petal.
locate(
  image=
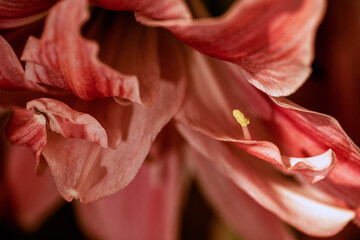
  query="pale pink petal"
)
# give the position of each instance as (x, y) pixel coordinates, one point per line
(21, 12)
(149, 207)
(270, 40)
(308, 210)
(69, 123)
(217, 88)
(33, 198)
(86, 171)
(70, 62)
(161, 9)
(11, 71)
(245, 216)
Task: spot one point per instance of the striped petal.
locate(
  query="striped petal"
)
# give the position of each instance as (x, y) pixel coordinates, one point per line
(270, 40)
(305, 208)
(70, 62)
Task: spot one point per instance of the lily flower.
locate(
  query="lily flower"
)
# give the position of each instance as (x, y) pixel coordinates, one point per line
(118, 111)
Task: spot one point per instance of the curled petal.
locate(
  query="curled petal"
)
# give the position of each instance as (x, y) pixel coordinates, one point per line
(69, 123)
(148, 208)
(343, 181)
(246, 217)
(271, 40)
(308, 210)
(128, 47)
(217, 88)
(70, 62)
(314, 168)
(91, 172)
(28, 128)
(21, 12)
(11, 71)
(162, 9)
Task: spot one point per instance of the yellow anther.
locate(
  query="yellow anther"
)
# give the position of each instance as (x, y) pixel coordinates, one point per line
(240, 118)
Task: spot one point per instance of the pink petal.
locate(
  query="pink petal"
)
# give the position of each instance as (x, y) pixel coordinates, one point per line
(308, 210)
(344, 179)
(69, 123)
(245, 216)
(217, 88)
(270, 40)
(86, 171)
(11, 71)
(33, 198)
(28, 128)
(148, 208)
(70, 62)
(21, 12)
(161, 9)
(128, 47)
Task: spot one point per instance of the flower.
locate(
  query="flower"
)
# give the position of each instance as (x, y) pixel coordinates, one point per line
(93, 124)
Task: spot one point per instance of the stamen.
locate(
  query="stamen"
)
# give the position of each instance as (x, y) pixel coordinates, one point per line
(243, 121)
(240, 118)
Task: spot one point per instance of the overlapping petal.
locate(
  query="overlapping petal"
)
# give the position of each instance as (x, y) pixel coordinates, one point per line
(11, 71)
(20, 12)
(70, 62)
(33, 198)
(149, 207)
(92, 172)
(299, 205)
(271, 40)
(163, 9)
(69, 123)
(343, 181)
(29, 126)
(245, 216)
(26, 127)
(274, 132)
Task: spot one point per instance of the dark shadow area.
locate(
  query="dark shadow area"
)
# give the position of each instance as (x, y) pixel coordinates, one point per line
(197, 216)
(59, 226)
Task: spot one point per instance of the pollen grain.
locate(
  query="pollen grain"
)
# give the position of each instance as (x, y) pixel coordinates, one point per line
(240, 118)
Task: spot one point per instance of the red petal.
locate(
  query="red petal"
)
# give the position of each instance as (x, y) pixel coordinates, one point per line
(27, 128)
(70, 62)
(148, 208)
(33, 198)
(245, 216)
(128, 47)
(11, 71)
(271, 40)
(161, 9)
(86, 171)
(344, 180)
(303, 207)
(69, 123)
(21, 12)
(217, 88)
